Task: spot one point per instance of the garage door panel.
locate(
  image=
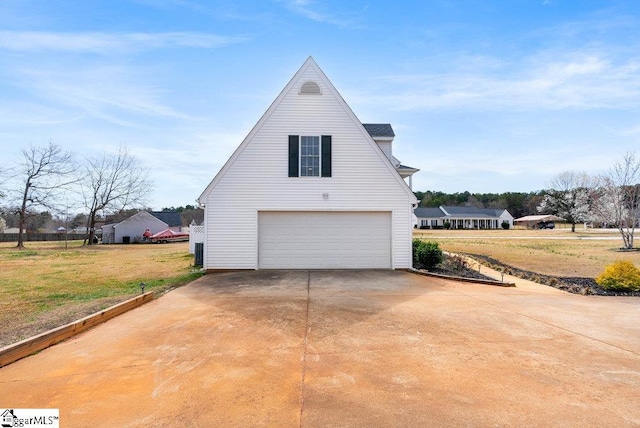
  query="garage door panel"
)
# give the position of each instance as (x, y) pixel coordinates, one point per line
(324, 240)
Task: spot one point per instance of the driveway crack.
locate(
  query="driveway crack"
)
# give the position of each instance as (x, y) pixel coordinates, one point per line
(306, 346)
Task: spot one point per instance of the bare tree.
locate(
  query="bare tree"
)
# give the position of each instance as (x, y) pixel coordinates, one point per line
(43, 174)
(568, 197)
(113, 182)
(3, 192)
(617, 197)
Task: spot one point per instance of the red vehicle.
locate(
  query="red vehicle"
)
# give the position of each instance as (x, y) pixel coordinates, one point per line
(168, 235)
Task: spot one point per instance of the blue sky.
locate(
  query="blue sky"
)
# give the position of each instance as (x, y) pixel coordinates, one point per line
(484, 95)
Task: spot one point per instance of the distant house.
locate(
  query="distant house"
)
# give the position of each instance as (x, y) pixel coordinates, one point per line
(9, 230)
(131, 229)
(462, 217)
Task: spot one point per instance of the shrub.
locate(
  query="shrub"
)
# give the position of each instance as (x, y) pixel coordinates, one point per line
(621, 276)
(447, 225)
(458, 262)
(505, 225)
(426, 255)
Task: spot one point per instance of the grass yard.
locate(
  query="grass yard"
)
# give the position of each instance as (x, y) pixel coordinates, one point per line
(47, 285)
(584, 253)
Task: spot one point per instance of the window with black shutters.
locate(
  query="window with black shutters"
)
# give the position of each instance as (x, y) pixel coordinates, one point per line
(310, 156)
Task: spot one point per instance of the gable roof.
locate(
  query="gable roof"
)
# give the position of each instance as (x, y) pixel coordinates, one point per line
(379, 129)
(459, 212)
(172, 218)
(142, 215)
(309, 63)
(428, 212)
(472, 211)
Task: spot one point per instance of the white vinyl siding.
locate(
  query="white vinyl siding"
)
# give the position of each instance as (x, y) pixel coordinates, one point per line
(133, 228)
(506, 216)
(324, 240)
(386, 147)
(256, 178)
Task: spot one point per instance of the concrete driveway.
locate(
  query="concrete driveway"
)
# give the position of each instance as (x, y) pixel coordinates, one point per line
(345, 348)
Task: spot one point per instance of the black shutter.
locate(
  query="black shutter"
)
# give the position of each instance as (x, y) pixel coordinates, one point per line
(326, 156)
(293, 155)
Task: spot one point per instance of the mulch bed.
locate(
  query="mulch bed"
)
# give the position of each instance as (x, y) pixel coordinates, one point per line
(572, 284)
(456, 266)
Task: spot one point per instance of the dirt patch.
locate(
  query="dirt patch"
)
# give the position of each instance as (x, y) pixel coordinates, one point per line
(572, 284)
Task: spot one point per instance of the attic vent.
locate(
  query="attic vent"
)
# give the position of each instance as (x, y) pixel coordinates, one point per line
(310, 88)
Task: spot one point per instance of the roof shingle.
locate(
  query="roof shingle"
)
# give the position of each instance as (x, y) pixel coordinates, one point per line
(379, 129)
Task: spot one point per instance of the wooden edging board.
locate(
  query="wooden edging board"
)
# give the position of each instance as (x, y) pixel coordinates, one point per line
(14, 352)
(463, 279)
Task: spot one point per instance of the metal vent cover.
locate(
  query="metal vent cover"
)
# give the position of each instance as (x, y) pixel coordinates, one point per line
(310, 88)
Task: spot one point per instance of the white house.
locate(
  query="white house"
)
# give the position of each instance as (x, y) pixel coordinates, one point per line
(131, 229)
(309, 188)
(462, 217)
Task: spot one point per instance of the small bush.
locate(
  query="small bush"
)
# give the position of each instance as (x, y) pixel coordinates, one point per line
(426, 255)
(447, 225)
(621, 276)
(505, 225)
(458, 262)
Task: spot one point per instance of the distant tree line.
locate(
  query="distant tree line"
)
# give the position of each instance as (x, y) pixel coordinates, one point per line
(188, 214)
(45, 221)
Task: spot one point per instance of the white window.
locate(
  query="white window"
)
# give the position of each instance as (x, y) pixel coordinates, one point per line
(309, 156)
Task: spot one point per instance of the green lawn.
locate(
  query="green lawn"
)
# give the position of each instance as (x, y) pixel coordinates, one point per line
(52, 283)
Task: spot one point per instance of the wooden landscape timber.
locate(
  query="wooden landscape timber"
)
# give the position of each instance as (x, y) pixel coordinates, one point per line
(24, 348)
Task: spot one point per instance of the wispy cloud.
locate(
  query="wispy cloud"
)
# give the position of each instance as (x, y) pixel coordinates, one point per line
(319, 12)
(112, 94)
(106, 43)
(551, 81)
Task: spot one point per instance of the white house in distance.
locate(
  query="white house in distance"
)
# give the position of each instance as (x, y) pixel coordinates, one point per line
(462, 217)
(309, 188)
(131, 229)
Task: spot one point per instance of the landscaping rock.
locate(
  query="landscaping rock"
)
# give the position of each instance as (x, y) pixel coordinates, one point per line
(571, 284)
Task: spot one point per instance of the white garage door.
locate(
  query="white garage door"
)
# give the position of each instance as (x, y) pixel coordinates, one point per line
(324, 240)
